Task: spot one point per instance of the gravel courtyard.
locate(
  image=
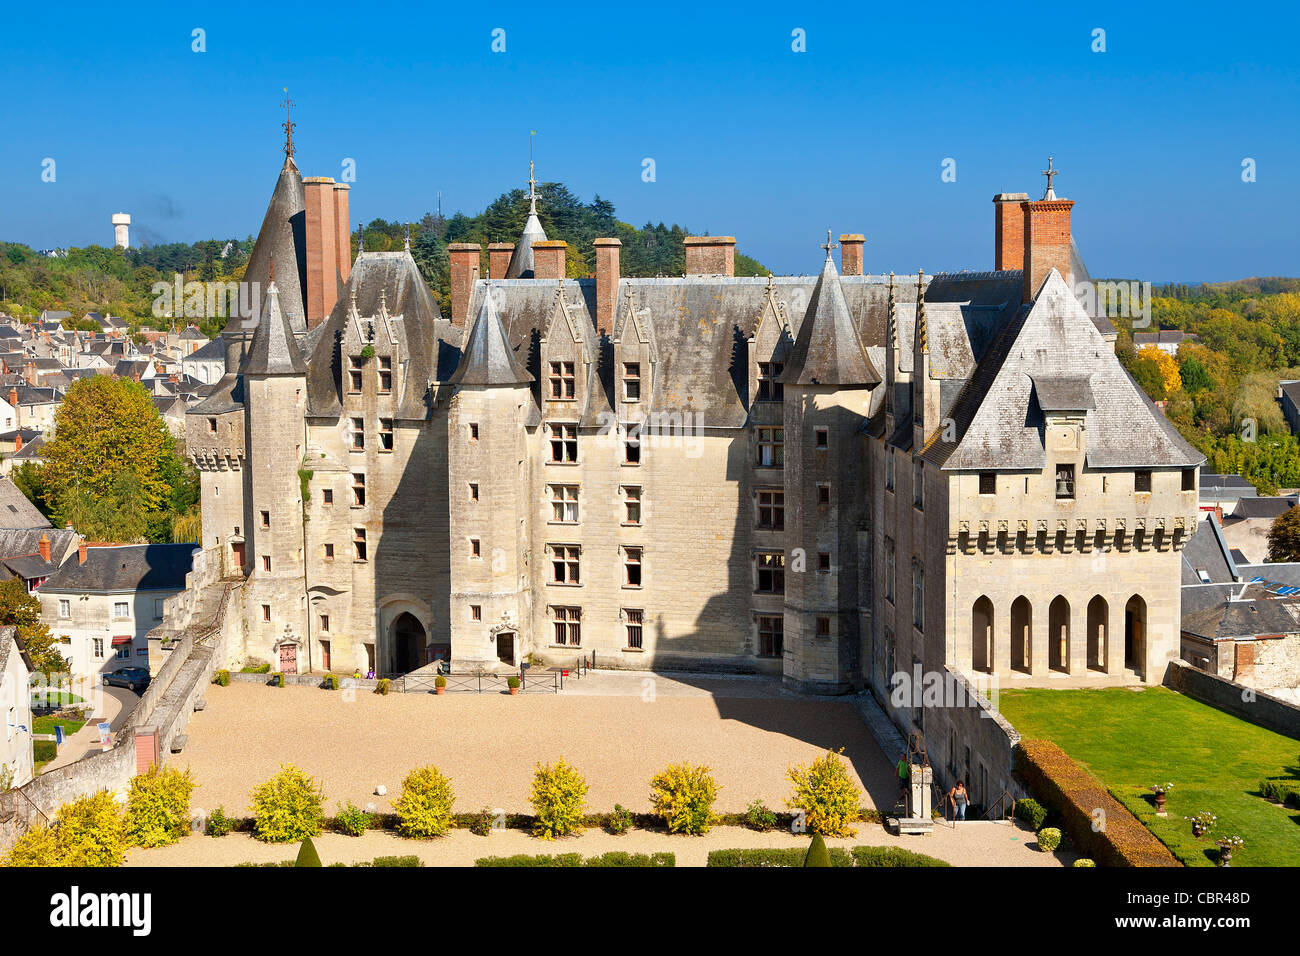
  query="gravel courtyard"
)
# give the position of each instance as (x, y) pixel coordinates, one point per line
(488, 744)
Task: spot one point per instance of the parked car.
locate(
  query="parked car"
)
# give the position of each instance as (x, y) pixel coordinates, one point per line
(136, 678)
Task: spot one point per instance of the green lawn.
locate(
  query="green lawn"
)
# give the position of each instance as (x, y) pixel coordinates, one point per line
(45, 725)
(1131, 739)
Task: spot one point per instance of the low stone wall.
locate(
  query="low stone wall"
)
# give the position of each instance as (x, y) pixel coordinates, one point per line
(1267, 711)
(972, 742)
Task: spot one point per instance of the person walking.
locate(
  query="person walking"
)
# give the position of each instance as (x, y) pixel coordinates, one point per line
(904, 776)
(959, 797)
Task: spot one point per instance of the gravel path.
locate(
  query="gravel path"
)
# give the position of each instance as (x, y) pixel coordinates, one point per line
(488, 744)
(971, 844)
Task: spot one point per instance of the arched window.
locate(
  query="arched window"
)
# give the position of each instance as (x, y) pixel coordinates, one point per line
(1098, 633)
(1058, 635)
(1022, 632)
(981, 635)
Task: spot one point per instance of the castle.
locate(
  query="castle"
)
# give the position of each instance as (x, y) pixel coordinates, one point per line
(833, 478)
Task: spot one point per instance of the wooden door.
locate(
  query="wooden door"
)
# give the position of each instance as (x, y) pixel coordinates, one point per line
(288, 658)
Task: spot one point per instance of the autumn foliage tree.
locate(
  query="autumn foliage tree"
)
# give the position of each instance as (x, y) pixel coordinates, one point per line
(23, 611)
(112, 468)
(1284, 536)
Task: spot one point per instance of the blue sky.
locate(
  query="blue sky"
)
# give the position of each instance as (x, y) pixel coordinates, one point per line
(749, 138)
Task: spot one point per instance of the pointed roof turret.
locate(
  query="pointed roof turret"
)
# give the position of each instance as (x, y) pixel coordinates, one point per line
(521, 261)
(273, 350)
(282, 237)
(488, 358)
(828, 350)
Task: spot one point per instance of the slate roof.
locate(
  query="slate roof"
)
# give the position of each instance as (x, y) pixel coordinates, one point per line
(999, 418)
(428, 346)
(126, 567)
(16, 511)
(10, 643)
(827, 350)
(1263, 507)
(16, 542)
(273, 350)
(213, 351)
(33, 450)
(521, 260)
(1206, 550)
(1255, 613)
(282, 238)
(488, 358)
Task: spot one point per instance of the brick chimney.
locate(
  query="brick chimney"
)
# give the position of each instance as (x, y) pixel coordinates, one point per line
(499, 254)
(18, 440)
(606, 283)
(464, 273)
(851, 253)
(548, 259)
(710, 255)
(44, 548)
(1047, 242)
(322, 249)
(13, 397)
(29, 373)
(1009, 231)
(342, 231)
(81, 551)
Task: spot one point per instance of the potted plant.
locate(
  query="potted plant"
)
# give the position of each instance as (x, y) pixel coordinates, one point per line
(1160, 790)
(1226, 846)
(440, 685)
(513, 683)
(1202, 823)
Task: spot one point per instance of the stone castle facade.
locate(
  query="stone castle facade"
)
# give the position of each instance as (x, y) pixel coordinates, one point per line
(833, 478)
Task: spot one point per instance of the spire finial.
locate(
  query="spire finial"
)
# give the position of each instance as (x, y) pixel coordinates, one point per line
(288, 123)
(829, 245)
(532, 180)
(1049, 172)
(408, 237)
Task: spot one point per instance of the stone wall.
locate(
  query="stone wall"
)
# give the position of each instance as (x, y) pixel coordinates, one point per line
(1260, 708)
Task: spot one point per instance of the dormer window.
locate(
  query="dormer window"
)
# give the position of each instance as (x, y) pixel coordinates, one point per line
(769, 389)
(355, 362)
(385, 374)
(631, 381)
(564, 383)
(1064, 481)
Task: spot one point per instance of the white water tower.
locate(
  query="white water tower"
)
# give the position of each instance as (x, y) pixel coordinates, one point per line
(122, 230)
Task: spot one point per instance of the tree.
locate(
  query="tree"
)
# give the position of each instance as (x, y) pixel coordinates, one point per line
(112, 468)
(1284, 536)
(23, 611)
(817, 854)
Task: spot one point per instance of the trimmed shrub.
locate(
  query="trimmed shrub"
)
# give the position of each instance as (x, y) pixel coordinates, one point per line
(817, 854)
(307, 855)
(826, 794)
(218, 823)
(792, 857)
(1049, 839)
(424, 808)
(619, 821)
(407, 861)
(683, 796)
(759, 817)
(1029, 811)
(1075, 796)
(221, 678)
(90, 831)
(512, 682)
(1083, 861)
(288, 808)
(440, 681)
(559, 798)
(352, 820)
(158, 806)
(256, 669)
(383, 686)
(44, 751)
(891, 856)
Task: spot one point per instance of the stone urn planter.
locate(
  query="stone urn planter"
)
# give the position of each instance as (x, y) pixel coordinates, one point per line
(1225, 855)
(1198, 830)
(1161, 798)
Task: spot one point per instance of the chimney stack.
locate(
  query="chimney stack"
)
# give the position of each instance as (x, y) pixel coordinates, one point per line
(548, 259)
(18, 440)
(499, 254)
(13, 396)
(607, 277)
(1009, 231)
(322, 249)
(44, 548)
(851, 253)
(342, 232)
(81, 551)
(710, 255)
(464, 273)
(1047, 242)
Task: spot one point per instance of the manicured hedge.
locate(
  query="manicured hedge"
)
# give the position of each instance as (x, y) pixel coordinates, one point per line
(1075, 795)
(615, 858)
(875, 856)
(44, 750)
(890, 856)
(1285, 790)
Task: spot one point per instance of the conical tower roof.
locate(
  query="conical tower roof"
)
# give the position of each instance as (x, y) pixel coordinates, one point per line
(521, 261)
(828, 350)
(283, 237)
(273, 351)
(488, 358)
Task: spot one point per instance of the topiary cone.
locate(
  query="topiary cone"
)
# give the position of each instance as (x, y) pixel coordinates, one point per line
(817, 854)
(307, 855)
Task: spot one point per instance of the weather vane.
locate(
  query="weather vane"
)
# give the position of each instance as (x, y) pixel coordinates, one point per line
(288, 123)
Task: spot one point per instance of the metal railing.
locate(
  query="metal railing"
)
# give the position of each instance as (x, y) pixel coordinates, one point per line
(1000, 805)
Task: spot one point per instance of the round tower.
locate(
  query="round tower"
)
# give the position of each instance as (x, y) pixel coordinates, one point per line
(122, 230)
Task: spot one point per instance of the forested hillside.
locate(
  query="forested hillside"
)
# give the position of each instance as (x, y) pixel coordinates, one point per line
(119, 282)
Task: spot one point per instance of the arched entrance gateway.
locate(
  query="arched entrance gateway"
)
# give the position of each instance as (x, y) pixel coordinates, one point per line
(409, 643)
